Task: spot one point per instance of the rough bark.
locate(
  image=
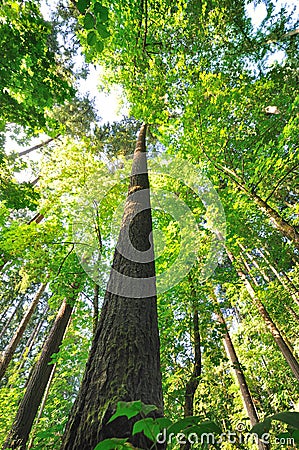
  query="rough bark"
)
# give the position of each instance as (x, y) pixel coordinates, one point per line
(37, 383)
(11, 348)
(282, 345)
(124, 361)
(42, 406)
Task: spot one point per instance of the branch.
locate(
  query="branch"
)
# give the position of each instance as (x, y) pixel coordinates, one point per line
(145, 26)
(64, 259)
(280, 181)
(36, 147)
(284, 36)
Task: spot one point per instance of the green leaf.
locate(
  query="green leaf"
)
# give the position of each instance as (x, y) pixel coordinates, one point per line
(128, 409)
(295, 435)
(82, 5)
(99, 46)
(101, 11)
(111, 444)
(163, 422)
(291, 418)
(89, 21)
(92, 38)
(146, 409)
(148, 427)
(103, 32)
(205, 427)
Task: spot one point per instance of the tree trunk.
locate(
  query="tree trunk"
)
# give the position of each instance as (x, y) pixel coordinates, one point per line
(38, 381)
(42, 406)
(254, 262)
(32, 339)
(244, 389)
(8, 322)
(11, 348)
(266, 278)
(193, 382)
(283, 226)
(292, 312)
(124, 361)
(95, 319)
(194, 379)
(282, 345)
(285, 282)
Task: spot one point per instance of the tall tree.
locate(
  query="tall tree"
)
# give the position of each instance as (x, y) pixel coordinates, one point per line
(124, 361)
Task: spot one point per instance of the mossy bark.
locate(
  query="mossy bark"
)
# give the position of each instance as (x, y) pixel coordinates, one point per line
(124, 361)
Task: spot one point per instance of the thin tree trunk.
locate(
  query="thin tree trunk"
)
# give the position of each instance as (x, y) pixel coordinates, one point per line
(292, 312)
(266, 278)
(37, 218)
(254, 262)
(282, 345)
(283, 226)
(8, 322)
(290, 288)
(11, 348)
(3, 315)
(124, 361)
(38, 381)
(244, 389)
(32, 340)
(193, 382)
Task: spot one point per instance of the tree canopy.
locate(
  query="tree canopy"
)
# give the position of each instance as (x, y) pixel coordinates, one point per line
(219, 95)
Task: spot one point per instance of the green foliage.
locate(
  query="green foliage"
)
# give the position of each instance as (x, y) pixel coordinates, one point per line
(94, 20)
(201, 75)
(151, 427)
(289, 418)
(32, 78)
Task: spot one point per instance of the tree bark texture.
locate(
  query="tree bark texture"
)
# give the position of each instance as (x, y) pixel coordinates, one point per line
(124, 361)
